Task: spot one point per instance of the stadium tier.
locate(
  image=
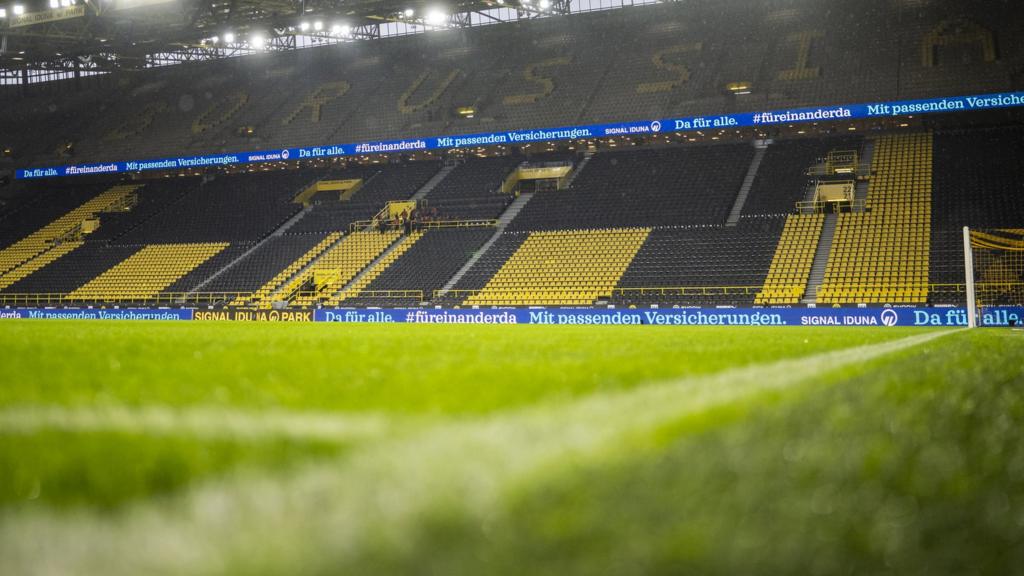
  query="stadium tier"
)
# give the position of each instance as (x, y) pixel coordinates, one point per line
(695, 58)
(720, 224)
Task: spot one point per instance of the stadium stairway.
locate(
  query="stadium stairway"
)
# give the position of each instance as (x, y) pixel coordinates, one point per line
(820, 264)
(503, 221)
(341, 263)
(433, 182)
(46, 237)
(360, 281)
(792, 263)
(748, 182)
(579, 168)
(277, 233)
(300, 266)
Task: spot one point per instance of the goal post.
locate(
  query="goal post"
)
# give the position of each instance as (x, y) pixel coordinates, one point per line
(972, 305)
(993, 271)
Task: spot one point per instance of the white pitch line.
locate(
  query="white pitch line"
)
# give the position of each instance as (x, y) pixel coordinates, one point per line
(201, 422)
(317, 519)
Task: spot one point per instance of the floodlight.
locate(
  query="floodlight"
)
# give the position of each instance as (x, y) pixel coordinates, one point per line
(54, 3)
(544, 4)
(436, 17)
(336, 30)
(304, 26)
(409, 12)
(229, 37)
(3, 12)
(18, 9)
(318, 25)
(257, 41)
(214, 39)
(346, 30)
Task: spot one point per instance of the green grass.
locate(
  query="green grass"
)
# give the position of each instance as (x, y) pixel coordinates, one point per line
(231, 448)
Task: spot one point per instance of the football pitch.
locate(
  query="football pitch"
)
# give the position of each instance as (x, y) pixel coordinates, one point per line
(132, 448)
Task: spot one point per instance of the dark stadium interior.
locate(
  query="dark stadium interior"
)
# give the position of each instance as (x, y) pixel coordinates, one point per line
(712, 218)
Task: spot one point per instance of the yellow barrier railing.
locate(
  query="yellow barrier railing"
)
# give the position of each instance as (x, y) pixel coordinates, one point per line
(659, 291)
(325, 295)
(166, 299)
(816, 207)
(420, 225)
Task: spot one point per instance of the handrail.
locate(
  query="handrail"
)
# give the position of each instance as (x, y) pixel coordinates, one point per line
(168, 298)
(818, 207)
(419, 224)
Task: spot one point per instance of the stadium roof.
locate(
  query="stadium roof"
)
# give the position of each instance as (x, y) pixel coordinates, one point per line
(102, 35)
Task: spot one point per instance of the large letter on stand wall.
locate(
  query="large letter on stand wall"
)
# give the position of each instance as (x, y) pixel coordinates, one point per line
(220, 112)
(316, 100)
(957, 31)
(403, 103)
(661, 61)
(531, 75)
(800, 71)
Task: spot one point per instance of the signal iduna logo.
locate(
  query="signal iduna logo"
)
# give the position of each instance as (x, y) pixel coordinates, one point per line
(890, 317)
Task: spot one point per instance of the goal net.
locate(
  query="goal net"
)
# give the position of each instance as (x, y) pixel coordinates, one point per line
(994, 265)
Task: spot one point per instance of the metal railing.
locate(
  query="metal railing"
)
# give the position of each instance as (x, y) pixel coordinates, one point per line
(165, 299)
(817, 207)
(423, 225)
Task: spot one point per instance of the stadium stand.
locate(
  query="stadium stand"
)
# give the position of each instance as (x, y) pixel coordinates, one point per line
(472, 190)
(271, 286)
(782, 179)
(270, 258)
(146, 273)
(66, 225)
(649, 187)
(359, 284)
(576, 246)
(240, 208)
(569, 268)
(423, 269)
(72, 271)
(977, 184)
(337, 266)
(700, 266)
(791, 264)
(642, 63)
(881, 255)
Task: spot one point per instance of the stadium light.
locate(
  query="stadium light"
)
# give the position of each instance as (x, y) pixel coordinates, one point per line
(409, 12)
(3, 12)
(436, 17)
(257, 41)
(545, 4)
(304, 26)
(54, 3)
(336, 30)
(346, 30)
(214, 39)
(318, 25)
(18, 9)
(229, 37)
